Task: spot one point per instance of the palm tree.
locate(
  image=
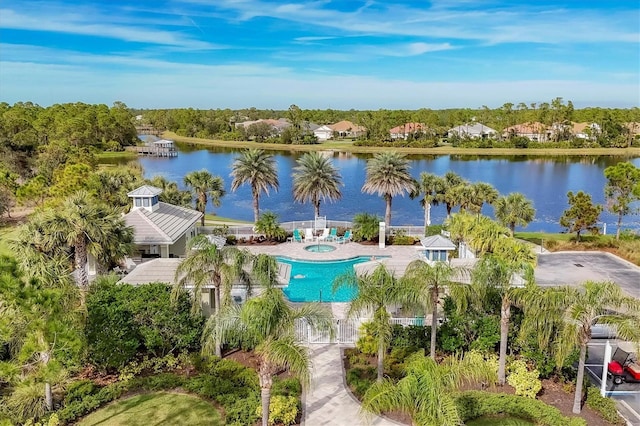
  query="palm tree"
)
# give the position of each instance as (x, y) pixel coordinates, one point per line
(209, 265)
(451, 181)
(315, 178)
(375, 292)
(578, 310)
(428, 283)
(493, 275)
(81, 224)
(427, 391)
(388, 175)
(257, 168)
(267, 324)
(480, 193)
(205, 185)
(514, 209)
(431, 186)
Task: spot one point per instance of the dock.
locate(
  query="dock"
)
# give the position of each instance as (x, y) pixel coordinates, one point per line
(159, 148)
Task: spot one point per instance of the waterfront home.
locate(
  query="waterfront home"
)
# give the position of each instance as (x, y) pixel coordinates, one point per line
(323, 133)
(585, 130)
(534, 131)
(472, 131)
(347, 129)
(404, 130)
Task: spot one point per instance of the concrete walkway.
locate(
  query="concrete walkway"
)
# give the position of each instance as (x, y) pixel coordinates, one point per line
(328, 402)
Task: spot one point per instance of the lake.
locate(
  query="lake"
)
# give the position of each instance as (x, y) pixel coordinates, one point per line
(545, 180)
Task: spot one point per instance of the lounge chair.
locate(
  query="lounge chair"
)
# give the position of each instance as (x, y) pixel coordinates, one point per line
(345, 238)
(325, 235)
(333, 234)
(308, 234)
(297, 238)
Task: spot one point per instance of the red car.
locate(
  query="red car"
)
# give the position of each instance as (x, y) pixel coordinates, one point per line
(623, 367)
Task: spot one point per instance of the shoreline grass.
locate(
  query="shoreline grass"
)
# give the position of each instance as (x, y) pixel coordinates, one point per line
(347, 146)
(214, 219)
(110, 155)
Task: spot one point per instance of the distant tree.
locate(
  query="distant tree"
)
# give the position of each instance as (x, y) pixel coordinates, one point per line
(581, 215)
(171, 194)
(315, 179)
(260, 131)
(205, 186)
(388, 175)
(622, 189)
(449, 196)
(257, 168)
(514, 209)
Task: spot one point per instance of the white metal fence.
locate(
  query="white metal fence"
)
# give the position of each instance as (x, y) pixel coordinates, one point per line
(345, 330)
(246, 231)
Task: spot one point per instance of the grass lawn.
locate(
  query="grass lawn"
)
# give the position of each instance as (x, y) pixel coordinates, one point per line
(211, 219)
(156, 409)
(117, 155)
(7, 234)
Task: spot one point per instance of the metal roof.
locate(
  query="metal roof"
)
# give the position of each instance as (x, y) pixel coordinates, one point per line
(154, 271)
(165, 225)
(145, 191)
(437, 242)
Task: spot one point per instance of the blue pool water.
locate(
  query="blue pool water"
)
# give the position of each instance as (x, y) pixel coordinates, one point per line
(315, 279)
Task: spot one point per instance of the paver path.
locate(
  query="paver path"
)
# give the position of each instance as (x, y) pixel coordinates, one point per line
(328, 402)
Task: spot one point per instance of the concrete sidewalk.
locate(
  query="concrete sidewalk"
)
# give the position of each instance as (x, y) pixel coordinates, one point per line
(328, 402)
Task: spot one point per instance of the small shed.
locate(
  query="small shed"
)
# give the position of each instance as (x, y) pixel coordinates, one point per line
(436, 248)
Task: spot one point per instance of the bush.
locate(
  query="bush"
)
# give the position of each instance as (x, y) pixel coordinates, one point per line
(605, 406)
(282, 410)
(126, 321)
(286, 387)
(360, 379)
(367, 344)
(412, 336)
(77, 391)
(474, 404)
(365, 226)
(524, 381)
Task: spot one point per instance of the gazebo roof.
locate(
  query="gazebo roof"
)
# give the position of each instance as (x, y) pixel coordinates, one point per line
(145, 191)
(437, 242)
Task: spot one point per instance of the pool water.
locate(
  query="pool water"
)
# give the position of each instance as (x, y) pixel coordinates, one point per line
(312, 280)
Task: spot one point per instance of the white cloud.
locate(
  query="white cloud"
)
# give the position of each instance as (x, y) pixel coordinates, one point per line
(97, 26)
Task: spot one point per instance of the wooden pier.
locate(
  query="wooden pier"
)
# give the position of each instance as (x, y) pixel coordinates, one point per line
(161, 148)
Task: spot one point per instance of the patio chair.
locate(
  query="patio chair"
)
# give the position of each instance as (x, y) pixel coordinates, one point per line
(325, 235)
(345, 238)
(297, 238)
(308, 234)
(333, 234)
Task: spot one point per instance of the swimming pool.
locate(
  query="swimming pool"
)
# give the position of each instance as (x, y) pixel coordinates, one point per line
(312, 280)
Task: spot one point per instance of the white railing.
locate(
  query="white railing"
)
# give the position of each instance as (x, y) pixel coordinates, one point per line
(346, 330)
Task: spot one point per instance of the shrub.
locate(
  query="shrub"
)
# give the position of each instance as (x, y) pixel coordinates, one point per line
(286, 387)
(605, 406)
(413, 336)
(365, 226)
(524, 381)
(367, 344)
(360, 379)
(282, 410)
(78, 390)
(268, 225)
(474, 404)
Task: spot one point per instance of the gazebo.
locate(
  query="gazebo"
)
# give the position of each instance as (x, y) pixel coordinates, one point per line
(435, 248)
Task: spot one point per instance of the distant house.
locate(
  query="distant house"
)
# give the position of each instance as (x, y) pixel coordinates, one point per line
(404, 130)
(323, 133)
(159, 229)
(347, 129)
(472, 131)
(585, 130)
(278, 125)
(535, 131)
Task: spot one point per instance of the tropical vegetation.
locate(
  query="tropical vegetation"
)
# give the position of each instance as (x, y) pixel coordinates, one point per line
(256, 168)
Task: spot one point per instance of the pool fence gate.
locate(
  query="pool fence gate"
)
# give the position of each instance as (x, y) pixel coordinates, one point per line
(346, 331)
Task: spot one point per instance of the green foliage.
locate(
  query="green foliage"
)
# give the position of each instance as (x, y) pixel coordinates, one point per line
(603, 405)
(526, 382)
(127, 321)
(582, 214)
(487, 330)
(282, 410)
(80, 389)
(286, 387)
(365, 226)
(360, 379)
(433, 230)
(474, 404)
(367, 343)
(413, 336)
(268, 225)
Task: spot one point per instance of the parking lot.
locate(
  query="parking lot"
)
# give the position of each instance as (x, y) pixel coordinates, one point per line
(576, 267)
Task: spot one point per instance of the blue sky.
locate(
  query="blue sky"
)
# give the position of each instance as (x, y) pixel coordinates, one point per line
(320, 54)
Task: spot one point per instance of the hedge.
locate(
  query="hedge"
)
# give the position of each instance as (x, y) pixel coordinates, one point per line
(474, 404)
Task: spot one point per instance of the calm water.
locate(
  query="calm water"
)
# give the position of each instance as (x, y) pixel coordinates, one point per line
(545, 180)
(312, 281)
